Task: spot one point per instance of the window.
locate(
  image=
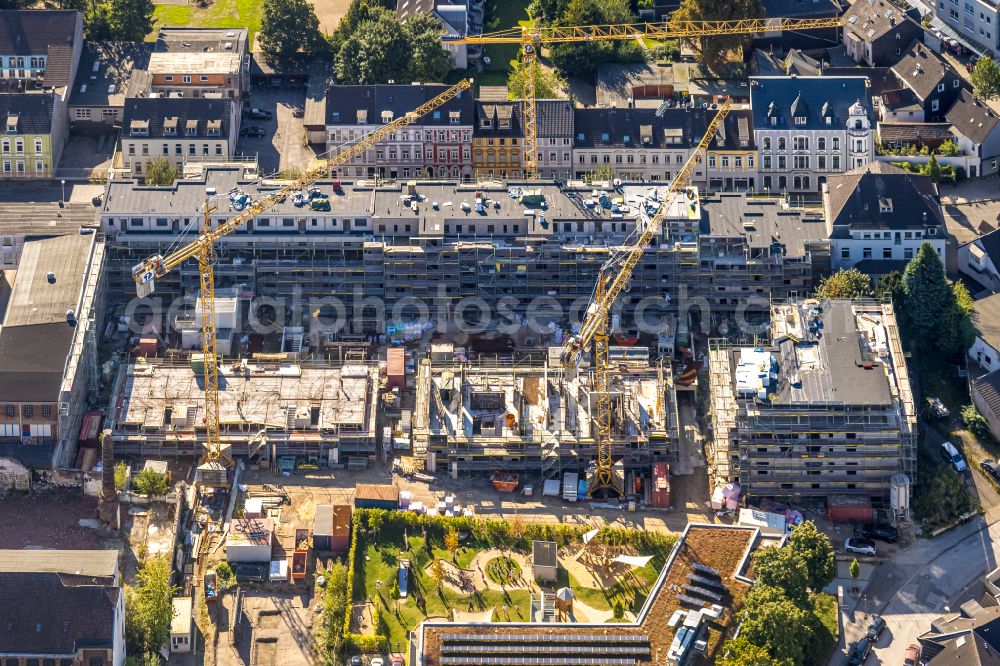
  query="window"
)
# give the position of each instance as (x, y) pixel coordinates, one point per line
(908, 253)
(750, 161)
(821, 162)
(187, 78)
(725, 161)
(203, 78)
(19, 146)
(801, 162)
(10, 410)
(46, 410)
(38, 145)
(711, 161)
(28, 411)
(836, 143)
(866, 253)
(767, 143)
(821, 143)
(956, 83)
(887, 253)
(781, 143)
(800, 120)
(782, 164)
(39, 166)
(845, 253)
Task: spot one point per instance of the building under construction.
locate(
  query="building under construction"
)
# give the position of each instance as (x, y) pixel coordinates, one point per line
(322, 414)
(370, 248)
(824, 410)
(472, 417)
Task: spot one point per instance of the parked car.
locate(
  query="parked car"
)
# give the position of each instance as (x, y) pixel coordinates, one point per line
(356, 661)
(860, 546)
(859, 652)
(990, 468)
(912, 656)
(881, 532)
(875, 628)
(258, 114)
(952, 455)
(254, 131)
(397, 661)
(376, 661)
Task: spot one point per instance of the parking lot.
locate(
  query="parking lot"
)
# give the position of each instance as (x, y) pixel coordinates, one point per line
(283, 145)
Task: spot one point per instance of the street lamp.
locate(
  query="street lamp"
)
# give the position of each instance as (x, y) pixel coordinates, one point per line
(63, 182)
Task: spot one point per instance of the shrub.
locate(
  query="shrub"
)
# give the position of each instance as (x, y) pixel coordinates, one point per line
(150, 483)
(975, 422)
(121, 475)
(226, 577)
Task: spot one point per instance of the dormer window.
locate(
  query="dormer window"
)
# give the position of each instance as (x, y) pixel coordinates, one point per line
(386, 117)
(626, 138)
(829, 120)
(362, 116)
(12, 123)
(485, 123)
(455, 117)
(139, 128)
(191, 128)
(580, 136)
(884, 205)
(800, 120)
(505, 123)
(774, 120)
(214, 128)
(170, 127)
(605, 137)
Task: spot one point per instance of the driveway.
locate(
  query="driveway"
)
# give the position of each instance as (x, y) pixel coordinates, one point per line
(283, 144)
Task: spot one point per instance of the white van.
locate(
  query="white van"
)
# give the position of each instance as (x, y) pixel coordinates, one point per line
(954, 457)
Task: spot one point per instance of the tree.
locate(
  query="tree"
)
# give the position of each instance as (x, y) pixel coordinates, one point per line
(375, 519)
(148, 606)
(975, 422)
(161, 171)
(377, 52)
(846, 283)
(934, 170)
(776, 624)
(120, 20)
(785, 570)
(121, 475)
(437, 572)
(336, 601)
(289, 27)
(583, 58)
(855, 572)
(603, 173)
(956, 331)
(451, 542)
(927, 293)
(816, 552)
(949, 149)
(713, 50)
(547, 83)
(890, 287)
(150, 483)
(429, 61)
(986, 78)
(741, 652)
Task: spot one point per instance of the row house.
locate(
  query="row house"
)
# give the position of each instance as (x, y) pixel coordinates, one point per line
(651, 145)
(808, 128)
(555, 121)
(439, 144)
(932, 80)
(498, 141)
(179, 129)
(39, 55)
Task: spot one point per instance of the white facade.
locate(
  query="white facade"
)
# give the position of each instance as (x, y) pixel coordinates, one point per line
(974, 20)
(881, 244)
(555, 157)
(974, 261)
(798, 160)
(984, 354)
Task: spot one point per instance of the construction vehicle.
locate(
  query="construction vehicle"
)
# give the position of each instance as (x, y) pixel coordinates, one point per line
(615, 276)
(215, 461)
(532, 39)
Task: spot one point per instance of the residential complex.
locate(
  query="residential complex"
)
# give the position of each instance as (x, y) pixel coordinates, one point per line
(825, 409)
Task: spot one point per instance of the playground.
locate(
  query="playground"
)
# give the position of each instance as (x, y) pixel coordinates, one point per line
(488, 576)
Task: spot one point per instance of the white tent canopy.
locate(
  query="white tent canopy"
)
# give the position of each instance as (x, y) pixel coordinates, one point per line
(589, 535)
(634, 560)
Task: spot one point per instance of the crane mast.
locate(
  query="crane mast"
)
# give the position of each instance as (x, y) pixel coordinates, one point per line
(202, 248)
(531, 39)
(614, 277)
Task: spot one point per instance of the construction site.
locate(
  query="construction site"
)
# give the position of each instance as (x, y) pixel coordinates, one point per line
(823, 410)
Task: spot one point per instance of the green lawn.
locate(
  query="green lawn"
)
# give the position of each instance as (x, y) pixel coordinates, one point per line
(382, 563)
(630, 591)
(501, 15)
(219, 14)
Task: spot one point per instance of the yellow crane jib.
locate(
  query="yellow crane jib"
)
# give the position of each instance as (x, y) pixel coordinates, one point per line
(203, 249)
(614, 278)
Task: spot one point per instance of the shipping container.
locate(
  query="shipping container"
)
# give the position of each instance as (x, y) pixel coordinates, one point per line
(340, 538)
(323, 527)
(846, 509)
(660, 493)
(395, 367)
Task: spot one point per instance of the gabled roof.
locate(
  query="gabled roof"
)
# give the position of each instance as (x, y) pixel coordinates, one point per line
(800, 9)
(344, 104)
(774, 96)
(987, 319)
(870, 19)
(109, 84)
(37, 32)
(881, 196)
(988, 388)
(659, 128)
(155, 111)
(971, 118)
(921, 70)
(901, 99)
(496, 112)
(990, 244)
(880, 79)
(33, 112)
(554, 118)
(794, 62)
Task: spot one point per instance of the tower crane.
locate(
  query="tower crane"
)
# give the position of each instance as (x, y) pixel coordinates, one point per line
(614, 277)
(203, 249)
(532, 38)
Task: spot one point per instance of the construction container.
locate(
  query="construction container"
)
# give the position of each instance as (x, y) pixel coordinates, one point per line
(376, 496)
(323, 527)
(848, 509)
(395, 367)
(660, 493)
(570, 480)
(340, 537)
(250, 541)
(148, 346)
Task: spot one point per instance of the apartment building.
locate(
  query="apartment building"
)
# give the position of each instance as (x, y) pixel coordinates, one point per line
(26, 222)
(933, 81)
(48, 348)
(62, 607)
(39, 55)
(109, 73)
(440, 243)
(826, 409)
(555, 121)
(498, 141)
(878, 216)
(200, 62)
(179, 129)
(975, 20)
(977, 131)
(437, 145)
(876, 32)
(808, 128)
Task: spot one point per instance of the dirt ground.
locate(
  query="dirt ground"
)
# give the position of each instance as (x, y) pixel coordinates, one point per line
(329, 13)
(50, 520)
(309, 488)
(275, 629)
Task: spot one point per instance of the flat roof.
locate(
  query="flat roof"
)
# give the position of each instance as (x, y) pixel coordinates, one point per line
(226, 62)
(36, 300)
(44, 220)
(762, 222)
(181, 622)
(91, 563)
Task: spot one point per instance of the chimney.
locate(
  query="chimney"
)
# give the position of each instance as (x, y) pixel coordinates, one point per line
(108, 507)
